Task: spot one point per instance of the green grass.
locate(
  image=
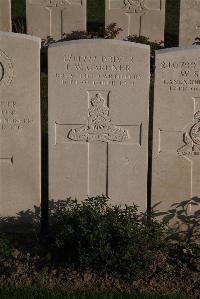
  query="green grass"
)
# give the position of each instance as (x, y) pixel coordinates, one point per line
(172, 17)
(96, 14)
(18, 9)
(36, 293)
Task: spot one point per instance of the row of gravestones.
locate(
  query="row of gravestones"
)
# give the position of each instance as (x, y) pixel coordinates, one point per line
(140, 17)
(98, 122)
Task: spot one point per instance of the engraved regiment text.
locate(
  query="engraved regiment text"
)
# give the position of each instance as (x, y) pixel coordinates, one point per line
(181, 75)
(98, 71)
(10, 118)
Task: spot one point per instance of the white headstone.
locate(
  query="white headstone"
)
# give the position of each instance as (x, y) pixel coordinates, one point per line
(19, 123)
(189, 27)
(137, 17)
(5, 15)
(55, 17)
(176, 150)
(98, 120)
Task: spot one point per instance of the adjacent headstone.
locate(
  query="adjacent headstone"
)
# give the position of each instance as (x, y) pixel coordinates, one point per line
(98, 120)
(176, 150)
(137, 17)
(5, 15)
(19, 123)
(189, 27)
(55, 17)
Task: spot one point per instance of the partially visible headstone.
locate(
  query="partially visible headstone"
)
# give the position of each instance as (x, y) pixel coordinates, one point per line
(189, 27)
(55, 17)
(19, 123)
(137, 17)
(5, 15)
(98, 120)
(176, 150)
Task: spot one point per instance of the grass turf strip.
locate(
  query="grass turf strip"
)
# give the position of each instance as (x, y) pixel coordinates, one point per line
(36, 293)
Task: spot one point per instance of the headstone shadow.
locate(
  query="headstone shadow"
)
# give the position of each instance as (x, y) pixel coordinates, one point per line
(183, 219)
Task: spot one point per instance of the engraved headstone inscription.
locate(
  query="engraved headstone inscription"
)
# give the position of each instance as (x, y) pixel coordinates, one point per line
(98, 119)
(55, 17)
(5, 15)
(189, 27)
(176, 150)
(137, 17)
(19, 123)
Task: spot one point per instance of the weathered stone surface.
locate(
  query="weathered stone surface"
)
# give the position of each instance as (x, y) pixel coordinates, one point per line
(5, 15)
(19, 123)
(55, 17)
(98, 118)
(137, 17)
(189, 27)
(176, 150)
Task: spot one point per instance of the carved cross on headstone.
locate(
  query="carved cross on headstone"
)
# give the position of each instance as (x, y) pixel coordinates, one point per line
(6, 160)
(190, 149)
(134, 10)
(56, 8)
(197, 34)
(99, 133)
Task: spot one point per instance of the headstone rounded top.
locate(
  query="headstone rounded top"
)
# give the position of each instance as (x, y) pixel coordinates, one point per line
(177, 49)
(100, 41)
(98, 116)
(19, 123)
(20, 36)
(176, 141)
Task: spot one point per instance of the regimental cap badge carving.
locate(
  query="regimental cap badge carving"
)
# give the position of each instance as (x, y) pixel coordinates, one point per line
(55, 3)
(191, 139)
(6, 69)
(137, 6)
(99, 126)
